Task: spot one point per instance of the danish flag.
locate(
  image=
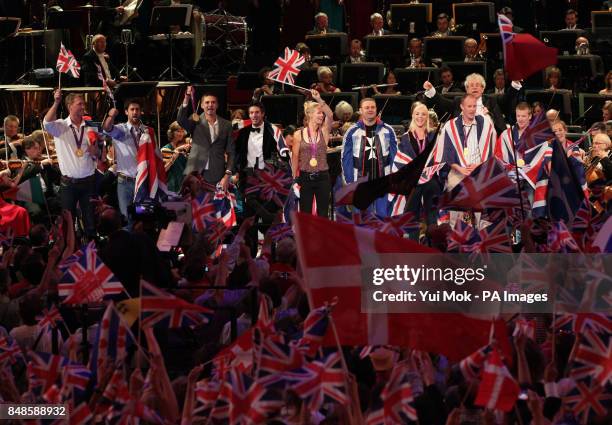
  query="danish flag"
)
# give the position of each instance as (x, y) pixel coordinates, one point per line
(498, 390)
(287, 67)
(67, 63)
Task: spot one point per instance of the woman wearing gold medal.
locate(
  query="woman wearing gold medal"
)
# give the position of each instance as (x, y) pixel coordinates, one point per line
(309, 159)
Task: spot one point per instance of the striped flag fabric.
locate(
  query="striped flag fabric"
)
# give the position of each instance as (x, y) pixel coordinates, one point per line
(270, 184)
(471, 366)
(9, 351)
(66, 62)
(44, 370)
(287, 67)
(151, 179)
(397, 397)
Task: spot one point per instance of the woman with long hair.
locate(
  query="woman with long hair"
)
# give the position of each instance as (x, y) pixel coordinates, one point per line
(309, 159)
(175, 155)
(419, 136)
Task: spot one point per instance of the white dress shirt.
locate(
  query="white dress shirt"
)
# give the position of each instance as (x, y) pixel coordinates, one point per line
(214, 132)
(126, 147)
(65, 146)
(473, 150)
(255, 148)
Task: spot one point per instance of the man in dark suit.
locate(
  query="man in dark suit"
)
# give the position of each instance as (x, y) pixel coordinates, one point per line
(321, 25)
(258, 144)
(212, 149)
(377, 22)
(97, 57)
(474, 85)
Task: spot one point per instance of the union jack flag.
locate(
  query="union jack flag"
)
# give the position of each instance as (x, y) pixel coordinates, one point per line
(398, 398)
(561, 240)
(593, 358)
(151, 176)
(206, 395)
(113, 338)
(270, 184)
(588, 401)
(74, 257)
(582, 219)
(287, 67)
(75, 379)
(487, 187)
(319, 380)
(399, 225)
(44, 369)
(105, 86)
(249, 401)
(49, 318)
(277, 356)
(238, 355)
(536, 159)
(538, 132)
(209, 208)
(158, 306)
(459, 237)
(216, 233)
(472, 365)
(88, 280)
(67, 63)
(9, 351)
(315, 328)
(80, 415)
(280, 231)
(493, 238)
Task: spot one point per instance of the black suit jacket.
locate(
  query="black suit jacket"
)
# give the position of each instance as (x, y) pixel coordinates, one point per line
(50, 174)
(270, 148)
(203, 150)
(89, 71)
(452, 107)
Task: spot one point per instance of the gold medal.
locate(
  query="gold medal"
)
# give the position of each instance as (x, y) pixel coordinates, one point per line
(466, 152)
(520, 162)
(195, 117)
(313, 162)
(79, 152)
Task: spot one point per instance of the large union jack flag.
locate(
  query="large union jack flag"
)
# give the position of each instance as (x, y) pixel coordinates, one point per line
(159, 307)
(587, 401)
(487, 187)
(492, 239)
(88, 280)
(270, 184)
(151, 179)
(287, 67)
(319, 380)
(44, 369)
(210, 208)
(398, 398)
(66, 62)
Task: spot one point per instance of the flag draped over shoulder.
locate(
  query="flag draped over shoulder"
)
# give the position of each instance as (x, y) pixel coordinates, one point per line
(523, 53)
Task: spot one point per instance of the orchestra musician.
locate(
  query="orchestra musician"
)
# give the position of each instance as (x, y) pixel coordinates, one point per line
(600, 160)
(175, 155)
(14, 138)
(76, 157)
(97, 56)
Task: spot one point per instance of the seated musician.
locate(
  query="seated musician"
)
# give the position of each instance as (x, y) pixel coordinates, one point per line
(326, 79)
(442, 26)
(600, 158)
(98, 56)
(175, 156)
(43, 175)
(415, 51)
(268, 87)
(15, 139)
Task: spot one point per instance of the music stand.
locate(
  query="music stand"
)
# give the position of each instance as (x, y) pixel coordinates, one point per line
(360, 74)
(564, 40)
(463, 69)
(444, 48)
(478, 17)
(283, 109)
(333, 99)
(601, 21)
(559, 100)
(411, 18)
(333, 46)
(575, 67)
(411, 80)
(167, 17)
(592, 105)
(386, 47)
(8, 27)
(396, 108)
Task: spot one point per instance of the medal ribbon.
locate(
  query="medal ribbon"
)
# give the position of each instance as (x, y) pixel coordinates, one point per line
(78, 140)
(313, 146)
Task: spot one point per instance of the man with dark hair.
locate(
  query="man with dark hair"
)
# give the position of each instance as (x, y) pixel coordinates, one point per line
(443, 26)
(212, 150)
(571, 19)
(258, 144)
(126, 139)
(76, 157)
(448, 82)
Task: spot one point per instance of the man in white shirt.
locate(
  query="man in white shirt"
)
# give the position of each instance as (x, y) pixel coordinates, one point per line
(126, 139)
(75, 155)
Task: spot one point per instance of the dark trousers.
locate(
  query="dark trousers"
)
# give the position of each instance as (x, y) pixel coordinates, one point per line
(315, 186)
(263, 211)
(424, 200)
(75, 192)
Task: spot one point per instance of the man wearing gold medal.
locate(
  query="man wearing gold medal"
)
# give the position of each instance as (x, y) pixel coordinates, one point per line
(368, 149)
(508, 142)
(76, 157)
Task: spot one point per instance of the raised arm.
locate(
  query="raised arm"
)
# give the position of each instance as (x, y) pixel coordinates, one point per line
(183, 116)
(329, 115)
(51, 114)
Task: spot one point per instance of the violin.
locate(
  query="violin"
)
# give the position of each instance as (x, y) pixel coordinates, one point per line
(18, 164)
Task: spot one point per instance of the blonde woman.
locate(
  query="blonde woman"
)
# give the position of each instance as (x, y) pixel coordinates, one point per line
(175, 155)
(419, 136)
(309, 159)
